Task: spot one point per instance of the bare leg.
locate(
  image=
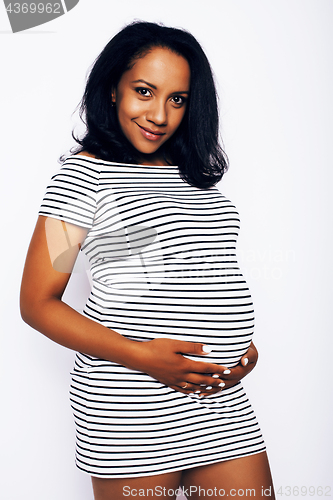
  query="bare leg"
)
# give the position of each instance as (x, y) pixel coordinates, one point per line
(152, 487)
(239, 478)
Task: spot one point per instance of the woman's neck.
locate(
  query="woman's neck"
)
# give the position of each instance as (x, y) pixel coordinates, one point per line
(154, 159)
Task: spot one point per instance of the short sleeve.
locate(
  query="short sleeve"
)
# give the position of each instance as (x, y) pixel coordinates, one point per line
(71, 194)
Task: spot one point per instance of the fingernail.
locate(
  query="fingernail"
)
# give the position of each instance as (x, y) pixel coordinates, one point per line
(191, 393)
(226, 372)
(245, 361)
(215, 376)
(197, 392)
(209, 387)
(206, 348)
(222, 384)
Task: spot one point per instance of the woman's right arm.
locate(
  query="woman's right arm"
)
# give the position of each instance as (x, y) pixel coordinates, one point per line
(50, 259)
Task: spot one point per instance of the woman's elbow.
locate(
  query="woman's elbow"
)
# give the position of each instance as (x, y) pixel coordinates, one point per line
(27, 306)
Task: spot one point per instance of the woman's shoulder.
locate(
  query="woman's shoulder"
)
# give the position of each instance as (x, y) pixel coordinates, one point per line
(81, 166)
(85, 153)
(81, 159)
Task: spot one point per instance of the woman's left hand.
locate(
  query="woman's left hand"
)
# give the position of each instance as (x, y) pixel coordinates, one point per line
(244, 367)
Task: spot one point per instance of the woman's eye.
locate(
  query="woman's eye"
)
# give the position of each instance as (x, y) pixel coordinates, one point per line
(143, 91)
(179, 100)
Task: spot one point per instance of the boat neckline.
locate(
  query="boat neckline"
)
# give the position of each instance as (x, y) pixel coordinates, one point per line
(92, 159)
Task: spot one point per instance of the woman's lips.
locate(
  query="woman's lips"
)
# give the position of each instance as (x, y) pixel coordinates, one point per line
(149, 134)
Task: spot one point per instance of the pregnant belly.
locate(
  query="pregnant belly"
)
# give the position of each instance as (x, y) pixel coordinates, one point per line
(222, 320)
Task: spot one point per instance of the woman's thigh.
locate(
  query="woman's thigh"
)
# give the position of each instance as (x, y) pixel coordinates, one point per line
(239, 478)
(150, 487)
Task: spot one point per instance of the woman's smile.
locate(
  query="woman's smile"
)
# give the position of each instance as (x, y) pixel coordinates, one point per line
(151, 100)
(149, 134)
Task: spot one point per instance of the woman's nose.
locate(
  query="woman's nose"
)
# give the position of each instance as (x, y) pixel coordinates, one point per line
(157, 113)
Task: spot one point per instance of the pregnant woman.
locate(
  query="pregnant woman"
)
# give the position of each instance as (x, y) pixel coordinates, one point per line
(166, 333)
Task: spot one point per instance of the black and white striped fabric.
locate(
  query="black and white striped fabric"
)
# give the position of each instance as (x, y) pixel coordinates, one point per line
(163, 264)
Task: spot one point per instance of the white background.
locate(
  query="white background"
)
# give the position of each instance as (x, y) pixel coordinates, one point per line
(273, 64)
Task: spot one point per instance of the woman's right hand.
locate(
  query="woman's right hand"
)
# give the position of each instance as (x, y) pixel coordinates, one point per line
(164, 360)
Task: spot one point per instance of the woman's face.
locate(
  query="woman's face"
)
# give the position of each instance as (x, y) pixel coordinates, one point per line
(151, 100)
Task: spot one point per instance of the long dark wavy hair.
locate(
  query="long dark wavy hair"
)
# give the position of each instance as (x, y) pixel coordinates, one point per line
(195, 146)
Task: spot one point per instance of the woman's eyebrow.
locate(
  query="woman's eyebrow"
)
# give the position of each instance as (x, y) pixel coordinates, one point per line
(154, 87)
(147, 83)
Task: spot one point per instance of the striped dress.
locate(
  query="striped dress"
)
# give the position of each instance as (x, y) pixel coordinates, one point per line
(163, 264)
